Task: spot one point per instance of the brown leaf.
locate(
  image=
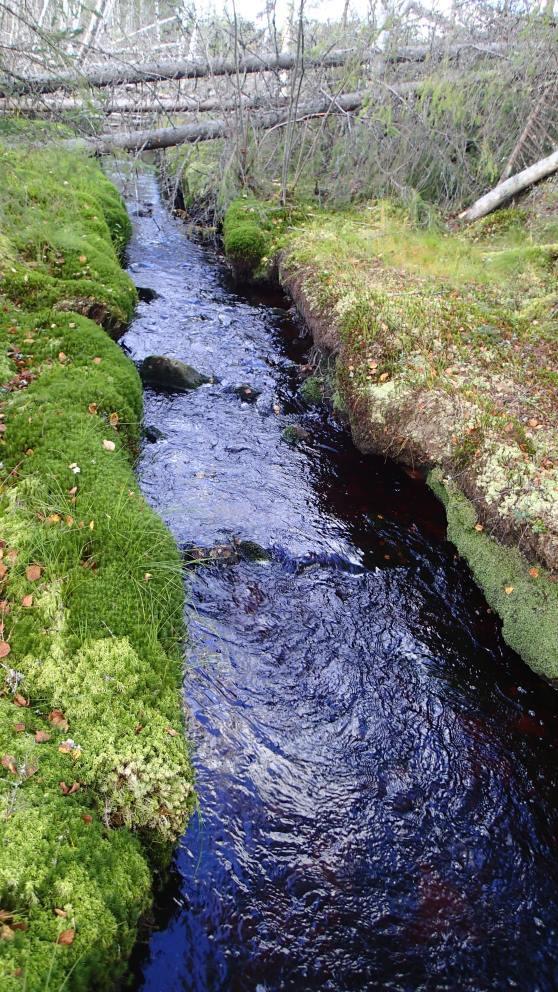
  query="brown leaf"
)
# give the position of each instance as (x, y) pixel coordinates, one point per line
(479, 528)
(92, 408)
(8, 761)
(60, 912)
(4, 649)
(20, 700)
(5, 915)
(57, 718)
(113, 420)
(87, 818)
(72, 491)
(64, 789)
(42, 736)
(97, 361)
(62, 357)
(19, 727)
(534, 573)
(53, 518)
(66, 937)
(12, 554)
(74, 788)
(508, 590)
(171, 731)
(3, 570)
(33, 572)
(27, 600)
(6, 932)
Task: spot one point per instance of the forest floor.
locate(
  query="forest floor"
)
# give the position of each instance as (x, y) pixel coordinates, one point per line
(96, 780)
(447, 346)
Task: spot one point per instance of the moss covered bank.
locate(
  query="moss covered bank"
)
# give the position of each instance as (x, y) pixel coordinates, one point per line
(95, 775)
(447, 347)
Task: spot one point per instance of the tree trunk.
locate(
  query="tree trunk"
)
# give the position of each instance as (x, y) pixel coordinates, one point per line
(166, 137)
(504, 191)
(112, 75)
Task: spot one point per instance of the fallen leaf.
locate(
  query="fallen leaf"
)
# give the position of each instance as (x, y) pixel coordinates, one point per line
(27, 600)
(69, 520)
(74, 788)
(33, 572)
(109, 445)
(508, 590)
(533, 422)
(479, 527)
(62, 357)
(57, 718)
(384, 377)
(6, 932)
(147, 577)
(83, 259)
(53, 518)
(97, 361)
(66, 937)
(87, 818)
(8, 761)
(20, 700)
(3, 570)
(66, 747)
(72, 491)
(42, 736)
(92, 408)
(60, 912)
(534, 573)
(171, 731)
(19, 728)
(4, 649)
(113, 419)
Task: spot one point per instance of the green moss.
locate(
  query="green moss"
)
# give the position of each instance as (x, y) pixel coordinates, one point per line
(311, 392)
(526, 601)
(245, 235)
(99, 643)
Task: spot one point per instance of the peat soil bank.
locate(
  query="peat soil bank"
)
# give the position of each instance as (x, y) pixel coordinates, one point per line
(376, 770)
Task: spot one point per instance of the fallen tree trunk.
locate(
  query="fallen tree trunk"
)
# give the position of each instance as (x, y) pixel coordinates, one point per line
(515, 184)
(30, 107)
(166, 137)
(115, 75)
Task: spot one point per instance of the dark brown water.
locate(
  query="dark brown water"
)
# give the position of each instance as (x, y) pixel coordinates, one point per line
(376, 771)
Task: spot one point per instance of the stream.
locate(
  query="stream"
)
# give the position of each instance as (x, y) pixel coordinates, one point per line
(377, 776)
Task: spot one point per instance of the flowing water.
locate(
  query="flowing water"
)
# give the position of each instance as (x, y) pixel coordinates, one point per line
(378, 802)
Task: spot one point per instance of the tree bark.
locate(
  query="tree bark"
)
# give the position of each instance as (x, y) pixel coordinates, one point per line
(166, 137)
(114, 75)
(515, 184)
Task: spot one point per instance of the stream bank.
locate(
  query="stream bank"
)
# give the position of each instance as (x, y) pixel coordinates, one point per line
(445, 346)
(96, 780)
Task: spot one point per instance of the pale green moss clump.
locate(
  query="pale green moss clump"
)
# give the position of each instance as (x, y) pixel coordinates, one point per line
(523, 595)
(95, 771)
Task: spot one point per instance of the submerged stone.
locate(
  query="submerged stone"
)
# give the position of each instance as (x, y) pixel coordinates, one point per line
(247, 393)
(295, 433)
(163, 372)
